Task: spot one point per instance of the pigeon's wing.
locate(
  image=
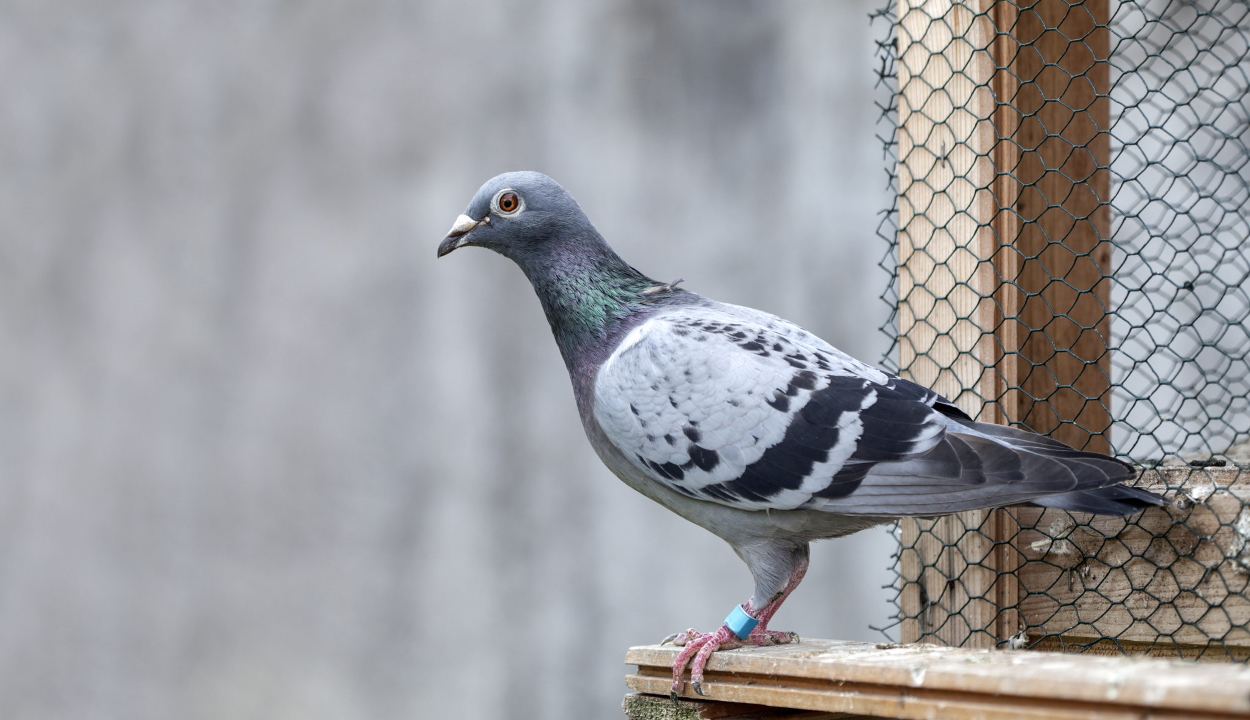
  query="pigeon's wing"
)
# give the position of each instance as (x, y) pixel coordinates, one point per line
(801, 337)
(742, 408)
(747, 410)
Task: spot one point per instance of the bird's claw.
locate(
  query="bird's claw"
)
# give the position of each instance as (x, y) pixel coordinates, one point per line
(682, 638)
(698, 647)
(771, 637)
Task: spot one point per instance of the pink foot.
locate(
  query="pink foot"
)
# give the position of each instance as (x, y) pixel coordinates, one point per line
(700, 646)
(763, 636)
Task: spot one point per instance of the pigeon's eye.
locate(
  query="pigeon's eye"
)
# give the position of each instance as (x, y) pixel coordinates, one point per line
(507, 203)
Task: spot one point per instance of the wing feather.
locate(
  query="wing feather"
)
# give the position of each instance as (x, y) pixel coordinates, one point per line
(744, 409)
(747, 410)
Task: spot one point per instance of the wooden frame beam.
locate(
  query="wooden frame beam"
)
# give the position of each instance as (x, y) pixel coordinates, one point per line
(1003, 181)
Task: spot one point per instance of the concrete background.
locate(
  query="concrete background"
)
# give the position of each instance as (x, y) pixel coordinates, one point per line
(262, 457)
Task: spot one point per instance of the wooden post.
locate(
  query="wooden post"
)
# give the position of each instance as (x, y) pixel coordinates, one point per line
(1003, 146)
(1055, 149)
(946, 290)
(944, 175)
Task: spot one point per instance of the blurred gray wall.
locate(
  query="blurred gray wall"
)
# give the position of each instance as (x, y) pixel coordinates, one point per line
(262, 457)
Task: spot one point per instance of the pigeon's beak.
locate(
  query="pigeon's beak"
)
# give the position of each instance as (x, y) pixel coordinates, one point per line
(456, 236)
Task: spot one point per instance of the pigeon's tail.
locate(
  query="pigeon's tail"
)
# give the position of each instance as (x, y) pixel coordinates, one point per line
(1100, 473)
(980, 465)
(1114, 500)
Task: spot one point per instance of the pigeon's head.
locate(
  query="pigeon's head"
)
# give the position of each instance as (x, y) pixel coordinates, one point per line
(518, 215)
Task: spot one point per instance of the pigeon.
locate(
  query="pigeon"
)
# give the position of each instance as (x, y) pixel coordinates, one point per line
(751, 427)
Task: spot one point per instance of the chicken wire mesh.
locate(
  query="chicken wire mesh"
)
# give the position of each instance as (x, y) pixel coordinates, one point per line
(1068, 250)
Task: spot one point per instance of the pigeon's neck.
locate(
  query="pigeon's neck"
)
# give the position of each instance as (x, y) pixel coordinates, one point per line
(589, 296)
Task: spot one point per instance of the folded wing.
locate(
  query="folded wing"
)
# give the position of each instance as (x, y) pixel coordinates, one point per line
(741, 408)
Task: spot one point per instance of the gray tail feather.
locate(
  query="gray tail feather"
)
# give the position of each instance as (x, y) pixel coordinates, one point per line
(980, 465)
(1114, 500)
(1107, 497)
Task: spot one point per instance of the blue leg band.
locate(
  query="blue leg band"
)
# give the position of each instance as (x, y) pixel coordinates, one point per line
(740, 623)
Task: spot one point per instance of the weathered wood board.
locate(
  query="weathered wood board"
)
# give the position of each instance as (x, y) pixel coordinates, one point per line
(924, 681)
(1173, 581)
(654, 707)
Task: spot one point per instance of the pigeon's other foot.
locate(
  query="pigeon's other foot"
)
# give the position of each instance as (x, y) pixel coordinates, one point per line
(764, 636)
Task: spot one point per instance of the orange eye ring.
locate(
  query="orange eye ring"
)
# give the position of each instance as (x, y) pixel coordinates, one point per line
(508, 203)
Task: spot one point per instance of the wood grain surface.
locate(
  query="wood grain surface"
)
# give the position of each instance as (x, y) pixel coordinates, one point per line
(922, 681)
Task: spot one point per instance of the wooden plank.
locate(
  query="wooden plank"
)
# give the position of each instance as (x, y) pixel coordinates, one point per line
(955, 594)
(1007, 561)
(656, 707)
(1003, 188)
(1005, 400)
(946, 287)
(865, 702)
(1057, 135)
(946, 281)
(1174, 581)
(920, 681)
(912, 585)
(1003, 182)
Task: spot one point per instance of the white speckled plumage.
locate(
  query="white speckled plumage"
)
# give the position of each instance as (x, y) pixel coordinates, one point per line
(715, 372)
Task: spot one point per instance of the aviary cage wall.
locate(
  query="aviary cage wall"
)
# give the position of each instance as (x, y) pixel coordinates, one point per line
(1069, 254)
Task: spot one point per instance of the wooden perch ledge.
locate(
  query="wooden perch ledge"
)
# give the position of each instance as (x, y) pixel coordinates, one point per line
(924, 681)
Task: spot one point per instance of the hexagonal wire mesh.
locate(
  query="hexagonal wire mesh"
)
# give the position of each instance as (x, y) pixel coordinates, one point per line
(1069, 254)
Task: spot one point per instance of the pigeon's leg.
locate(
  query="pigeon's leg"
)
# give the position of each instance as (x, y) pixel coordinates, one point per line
(761, 635)
(778, 567)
